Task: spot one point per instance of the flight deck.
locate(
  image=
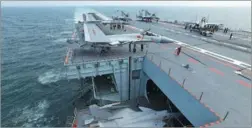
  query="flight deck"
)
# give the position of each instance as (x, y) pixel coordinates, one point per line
(195, 39)
(206, 90)
(222, 90)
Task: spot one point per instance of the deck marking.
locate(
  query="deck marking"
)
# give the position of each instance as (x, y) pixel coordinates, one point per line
(219, 60)
(217, 114)
(212, 123)
(192, 60)
(206, 52)
(224, 63)
(216, 71)
(217, 122)
(244, 83)
(206, 125)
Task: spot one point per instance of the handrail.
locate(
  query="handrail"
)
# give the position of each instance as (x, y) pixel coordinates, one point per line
(102, 60)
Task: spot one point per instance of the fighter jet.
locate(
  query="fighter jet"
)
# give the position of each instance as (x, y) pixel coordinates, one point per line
(92, 18)
(115, 115)
(145, 15)
(122, 16)
(95, 37)
(203, 27)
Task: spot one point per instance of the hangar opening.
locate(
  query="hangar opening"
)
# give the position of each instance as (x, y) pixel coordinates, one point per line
(159, 101)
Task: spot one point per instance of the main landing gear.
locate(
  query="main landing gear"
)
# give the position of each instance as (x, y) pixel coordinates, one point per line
(104, 50)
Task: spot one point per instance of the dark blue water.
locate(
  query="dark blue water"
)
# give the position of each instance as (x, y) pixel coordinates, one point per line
(33, 51)
(34, 48)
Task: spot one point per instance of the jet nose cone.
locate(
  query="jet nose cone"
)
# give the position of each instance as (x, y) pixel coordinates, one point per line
(165, 40)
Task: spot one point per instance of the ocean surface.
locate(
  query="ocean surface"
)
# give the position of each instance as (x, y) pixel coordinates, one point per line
(33, 50)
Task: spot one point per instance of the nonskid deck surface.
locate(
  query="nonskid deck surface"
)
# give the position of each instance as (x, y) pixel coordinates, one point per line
(217, 36)
(195, 41)
(238, 37)
(223, 90)
(80, 55)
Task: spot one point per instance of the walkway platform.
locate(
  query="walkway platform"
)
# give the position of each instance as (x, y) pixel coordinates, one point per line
(220, 89)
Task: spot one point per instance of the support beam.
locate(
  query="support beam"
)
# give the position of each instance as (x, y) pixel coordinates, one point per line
(129, 47)
(134, 48)
(130, 75)
(142, 47)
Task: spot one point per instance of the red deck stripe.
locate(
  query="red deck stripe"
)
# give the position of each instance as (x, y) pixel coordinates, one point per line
(212, 124)
(217, 71)
(217, 60)
(192, 60)
(217, 114)
(206, 125)
(211, 110)
(244, 83)
(217, 122)
(225, 63)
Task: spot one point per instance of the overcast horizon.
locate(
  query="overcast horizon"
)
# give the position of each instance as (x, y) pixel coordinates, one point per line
(126, 3)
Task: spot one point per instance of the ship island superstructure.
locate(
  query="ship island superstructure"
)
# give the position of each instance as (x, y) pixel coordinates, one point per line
(153, 87)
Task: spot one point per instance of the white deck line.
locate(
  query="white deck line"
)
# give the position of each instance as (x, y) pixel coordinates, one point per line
(215, 55)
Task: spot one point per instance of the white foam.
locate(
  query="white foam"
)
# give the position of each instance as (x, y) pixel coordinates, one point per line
(49, 77)
(31, 116)
(66, 32)
(60, 40)
(49, 35)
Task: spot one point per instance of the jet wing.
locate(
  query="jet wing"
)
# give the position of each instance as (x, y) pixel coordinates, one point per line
(135, 37)
(94, 34)
(125, 37)
(99, 113)
(90, 17)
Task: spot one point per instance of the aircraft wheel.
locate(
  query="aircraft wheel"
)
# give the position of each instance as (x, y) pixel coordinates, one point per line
(134, 50)
(102, 52)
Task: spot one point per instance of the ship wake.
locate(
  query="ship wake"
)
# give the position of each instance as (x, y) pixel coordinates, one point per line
(50, 76)
(32, 116)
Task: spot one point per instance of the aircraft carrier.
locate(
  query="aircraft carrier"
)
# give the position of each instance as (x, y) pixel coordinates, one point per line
(208, 84)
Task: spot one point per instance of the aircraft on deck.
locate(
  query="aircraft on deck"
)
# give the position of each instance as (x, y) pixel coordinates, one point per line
(95, 37)
(124, 16)
(203, 27)
(145, 15)
(124, 116)
(92, 18)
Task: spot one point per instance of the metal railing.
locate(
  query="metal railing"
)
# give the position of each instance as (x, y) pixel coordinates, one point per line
(160, 59)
